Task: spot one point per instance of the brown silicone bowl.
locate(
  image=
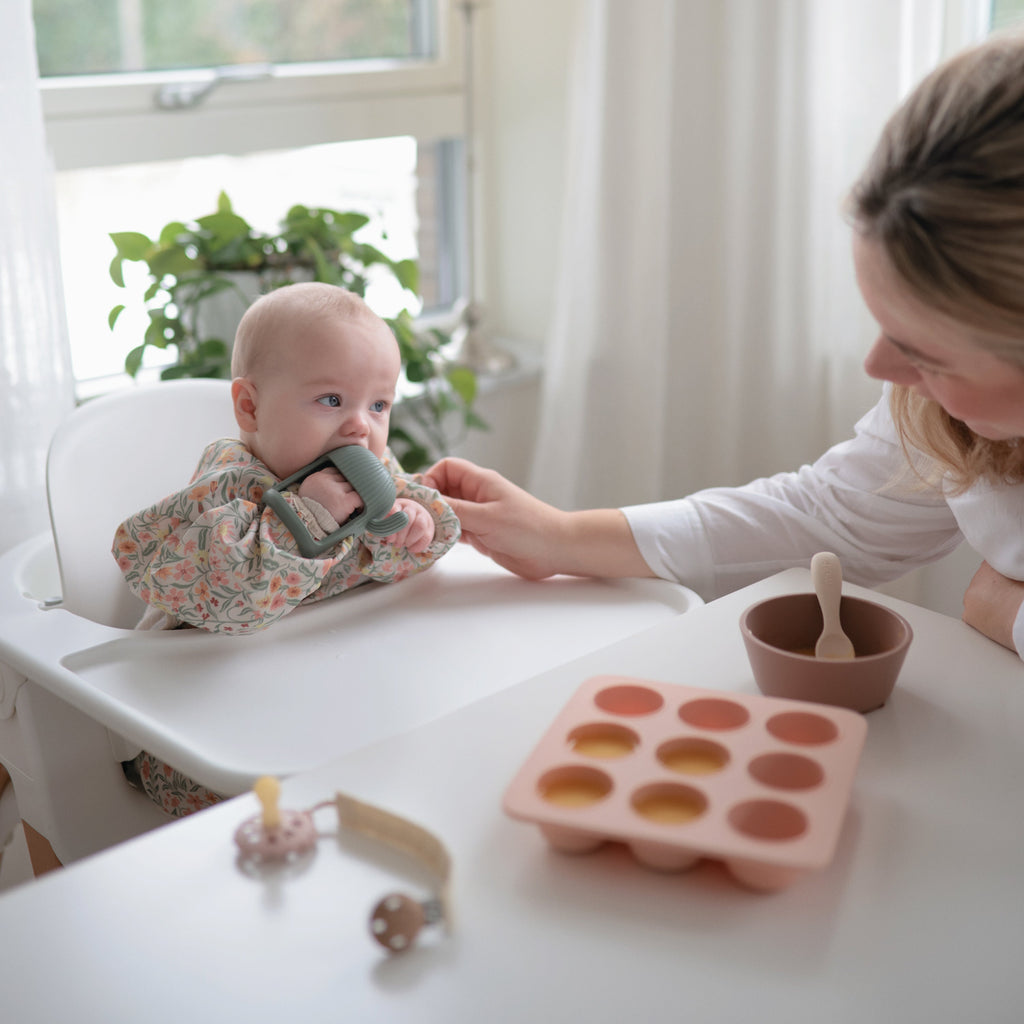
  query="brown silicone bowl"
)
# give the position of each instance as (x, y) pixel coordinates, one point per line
(777, 629)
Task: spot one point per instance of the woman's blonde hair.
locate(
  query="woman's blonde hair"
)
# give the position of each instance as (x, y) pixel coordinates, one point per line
(943, 193)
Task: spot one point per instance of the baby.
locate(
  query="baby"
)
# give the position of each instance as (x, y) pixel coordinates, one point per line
(314, 369)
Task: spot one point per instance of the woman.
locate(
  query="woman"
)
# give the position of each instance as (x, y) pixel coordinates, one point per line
(938, 240)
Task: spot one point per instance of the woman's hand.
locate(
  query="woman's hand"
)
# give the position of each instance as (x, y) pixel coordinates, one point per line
(991, 604)
(498, 518)
(529, 537)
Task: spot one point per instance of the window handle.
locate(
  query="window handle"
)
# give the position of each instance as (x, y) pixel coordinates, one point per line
(184, 95)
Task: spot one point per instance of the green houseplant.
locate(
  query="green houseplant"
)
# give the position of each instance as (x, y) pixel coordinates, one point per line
(202, 274)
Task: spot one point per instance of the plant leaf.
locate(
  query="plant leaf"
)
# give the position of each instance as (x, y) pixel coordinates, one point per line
(155, 333)
(131, 245)
(224, 226)
(408, 274)
(170, 260)
(170, 233)
(463, 381)
(113, 315)
(133, 360)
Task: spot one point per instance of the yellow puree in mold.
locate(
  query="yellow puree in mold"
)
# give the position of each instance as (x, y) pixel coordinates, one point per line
(669, 809)
(574, 792)
(693, 762)
(606, 745)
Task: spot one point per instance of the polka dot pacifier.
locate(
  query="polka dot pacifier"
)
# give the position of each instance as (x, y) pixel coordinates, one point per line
(282, 836)
(275, 835)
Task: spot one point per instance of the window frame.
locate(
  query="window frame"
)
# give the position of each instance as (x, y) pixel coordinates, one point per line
(104, 120)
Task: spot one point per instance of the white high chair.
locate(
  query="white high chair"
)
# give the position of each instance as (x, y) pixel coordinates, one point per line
(110, 458)
(80, 690)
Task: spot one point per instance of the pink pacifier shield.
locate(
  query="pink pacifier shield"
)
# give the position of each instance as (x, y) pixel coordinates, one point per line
(293, 836)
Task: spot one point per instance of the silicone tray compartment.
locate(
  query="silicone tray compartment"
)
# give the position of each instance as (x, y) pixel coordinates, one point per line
(679, 773)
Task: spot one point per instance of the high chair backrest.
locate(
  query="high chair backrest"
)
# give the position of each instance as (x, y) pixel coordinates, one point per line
(112, 457)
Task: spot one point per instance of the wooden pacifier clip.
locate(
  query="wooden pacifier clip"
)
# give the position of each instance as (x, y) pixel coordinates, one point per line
(282, 835)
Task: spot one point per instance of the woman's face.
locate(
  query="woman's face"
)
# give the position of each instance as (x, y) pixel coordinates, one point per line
(935, 356)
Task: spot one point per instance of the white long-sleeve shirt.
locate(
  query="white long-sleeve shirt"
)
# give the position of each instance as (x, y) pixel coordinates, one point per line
(860, 500)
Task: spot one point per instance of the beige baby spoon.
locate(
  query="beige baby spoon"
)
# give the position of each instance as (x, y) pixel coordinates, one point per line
(827, 576)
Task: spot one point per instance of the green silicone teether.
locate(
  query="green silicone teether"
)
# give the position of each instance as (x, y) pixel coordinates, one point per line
(372, 482)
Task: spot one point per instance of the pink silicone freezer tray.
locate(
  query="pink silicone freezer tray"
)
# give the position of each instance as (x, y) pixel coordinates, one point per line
(679, 773)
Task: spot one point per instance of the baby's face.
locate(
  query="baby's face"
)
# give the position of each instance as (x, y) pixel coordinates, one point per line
(332, 384)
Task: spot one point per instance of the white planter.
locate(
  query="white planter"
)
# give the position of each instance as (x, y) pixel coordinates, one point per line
(219, 314)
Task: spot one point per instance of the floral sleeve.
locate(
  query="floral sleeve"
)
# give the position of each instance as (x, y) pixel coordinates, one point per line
(214, 556)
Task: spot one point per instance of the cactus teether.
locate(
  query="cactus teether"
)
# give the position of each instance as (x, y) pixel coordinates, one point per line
(371, 481)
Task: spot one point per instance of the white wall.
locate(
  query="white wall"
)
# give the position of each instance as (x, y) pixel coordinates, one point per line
(525, 52)
(524, 48)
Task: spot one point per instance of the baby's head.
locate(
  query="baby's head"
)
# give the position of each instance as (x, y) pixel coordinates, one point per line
(314, 368)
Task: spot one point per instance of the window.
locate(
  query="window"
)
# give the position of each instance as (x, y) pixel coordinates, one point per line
(1006, 12)
(153, 108)
(147, 35)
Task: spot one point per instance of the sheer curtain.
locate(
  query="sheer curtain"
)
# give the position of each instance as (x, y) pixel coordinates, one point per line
(708, 328)
(36, 389)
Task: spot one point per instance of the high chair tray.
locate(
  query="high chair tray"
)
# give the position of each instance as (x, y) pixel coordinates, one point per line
(332, 676)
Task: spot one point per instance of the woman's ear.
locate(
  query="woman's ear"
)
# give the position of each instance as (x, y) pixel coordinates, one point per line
(243, 398)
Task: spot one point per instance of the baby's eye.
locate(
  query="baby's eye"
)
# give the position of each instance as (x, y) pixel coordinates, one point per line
(332, 400)
(379, 406)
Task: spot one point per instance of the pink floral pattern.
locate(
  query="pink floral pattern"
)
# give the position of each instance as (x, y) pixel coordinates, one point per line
(215, 557)
(173, 791)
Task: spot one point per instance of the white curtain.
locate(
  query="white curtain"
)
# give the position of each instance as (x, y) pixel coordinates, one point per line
(708, 328)
(36, 389)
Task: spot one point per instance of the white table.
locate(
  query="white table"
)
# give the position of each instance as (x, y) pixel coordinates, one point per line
(920, 917)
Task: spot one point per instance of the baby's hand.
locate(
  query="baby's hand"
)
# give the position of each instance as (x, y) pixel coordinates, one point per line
(418, 533)
(330, 489)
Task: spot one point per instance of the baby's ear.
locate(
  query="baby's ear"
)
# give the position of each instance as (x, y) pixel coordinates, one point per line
(243, 398)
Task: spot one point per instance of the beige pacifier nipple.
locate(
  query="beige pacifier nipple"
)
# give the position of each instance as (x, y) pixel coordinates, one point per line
(274, 834)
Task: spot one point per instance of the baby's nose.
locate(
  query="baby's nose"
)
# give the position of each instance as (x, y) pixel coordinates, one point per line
(356, 422)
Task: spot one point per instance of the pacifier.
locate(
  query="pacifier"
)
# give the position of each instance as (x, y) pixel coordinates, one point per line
(370, 480)
(281, 836)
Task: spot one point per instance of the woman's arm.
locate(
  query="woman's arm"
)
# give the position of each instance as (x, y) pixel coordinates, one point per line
(992, 605)
(530, 537)
(860, 500)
